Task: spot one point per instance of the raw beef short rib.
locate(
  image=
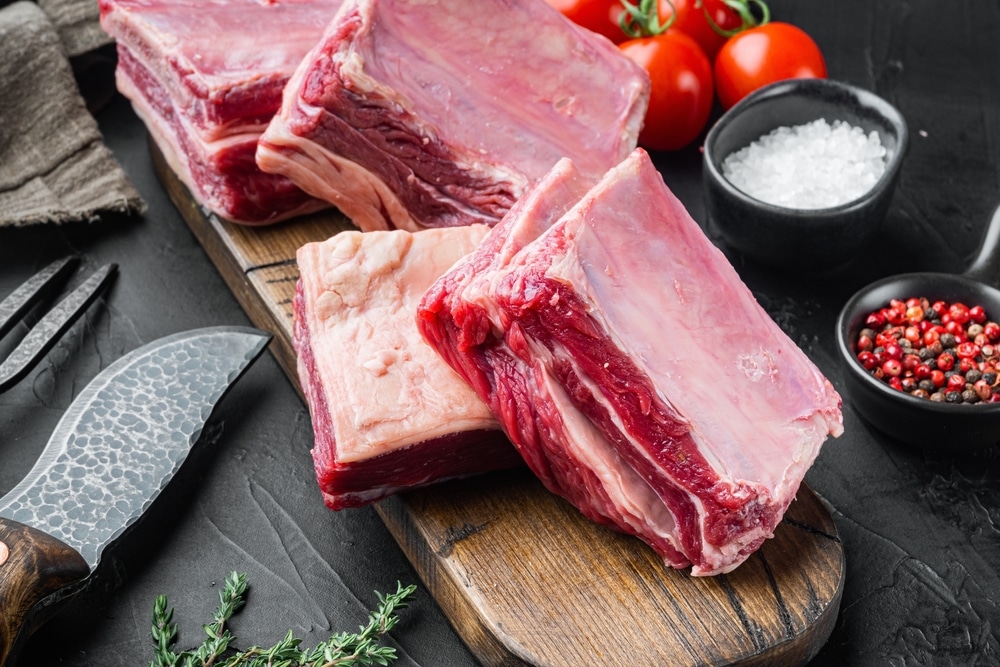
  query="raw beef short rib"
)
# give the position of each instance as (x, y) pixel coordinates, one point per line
(442, 113)
(632, 368)
(206, 77)
(388, 414)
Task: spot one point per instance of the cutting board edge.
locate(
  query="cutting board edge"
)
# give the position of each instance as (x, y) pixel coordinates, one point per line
(805, 646)
(493, 648)
(488, 648)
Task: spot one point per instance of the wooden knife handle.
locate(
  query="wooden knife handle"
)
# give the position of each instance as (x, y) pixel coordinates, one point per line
(37, 572)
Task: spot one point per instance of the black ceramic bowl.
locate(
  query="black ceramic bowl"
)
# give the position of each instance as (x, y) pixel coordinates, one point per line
(789, 238)
(919, 421)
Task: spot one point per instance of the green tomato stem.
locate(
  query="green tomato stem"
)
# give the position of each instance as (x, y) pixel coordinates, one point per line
(744, 9)
(643, 20)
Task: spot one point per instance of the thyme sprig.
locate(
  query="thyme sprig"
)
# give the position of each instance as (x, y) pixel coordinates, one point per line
(343, 649)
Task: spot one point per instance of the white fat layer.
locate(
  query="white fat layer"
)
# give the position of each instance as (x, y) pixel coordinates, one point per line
(385, 387)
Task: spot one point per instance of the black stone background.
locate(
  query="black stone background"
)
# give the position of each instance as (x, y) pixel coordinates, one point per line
(921, 531)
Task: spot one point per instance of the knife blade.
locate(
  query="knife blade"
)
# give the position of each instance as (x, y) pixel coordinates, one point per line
(114, 450)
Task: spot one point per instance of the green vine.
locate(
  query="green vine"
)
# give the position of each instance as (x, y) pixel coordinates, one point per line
(743, 9)
(643, 19)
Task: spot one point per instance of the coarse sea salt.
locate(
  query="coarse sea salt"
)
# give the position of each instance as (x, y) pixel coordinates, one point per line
(810, 166)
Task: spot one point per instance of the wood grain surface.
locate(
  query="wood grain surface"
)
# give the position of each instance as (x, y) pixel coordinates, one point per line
(521, 575)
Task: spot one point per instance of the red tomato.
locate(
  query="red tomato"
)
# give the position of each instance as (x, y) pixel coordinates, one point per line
(681, 96)
(691, 20)
(762, 55)
(601, 16)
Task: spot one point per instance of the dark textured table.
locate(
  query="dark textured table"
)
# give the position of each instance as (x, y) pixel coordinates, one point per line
(920, 531)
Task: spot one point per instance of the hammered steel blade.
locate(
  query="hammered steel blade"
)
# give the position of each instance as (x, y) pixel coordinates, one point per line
(127, 434)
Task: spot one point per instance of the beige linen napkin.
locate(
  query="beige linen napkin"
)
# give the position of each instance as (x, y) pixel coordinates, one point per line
(54, 166)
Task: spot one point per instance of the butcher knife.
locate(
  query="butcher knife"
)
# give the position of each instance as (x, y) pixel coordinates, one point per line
(114, 450)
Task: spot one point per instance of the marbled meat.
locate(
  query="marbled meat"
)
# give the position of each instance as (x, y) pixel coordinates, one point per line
(206, 77)
(632, 368)
(440, 113)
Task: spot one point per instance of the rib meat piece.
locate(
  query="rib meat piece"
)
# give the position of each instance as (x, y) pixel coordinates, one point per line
(632, 368)
(388, 413)
(434, 114)
(206, 79)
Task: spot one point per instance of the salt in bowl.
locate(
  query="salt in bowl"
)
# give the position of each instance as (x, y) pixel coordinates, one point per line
(801, 239)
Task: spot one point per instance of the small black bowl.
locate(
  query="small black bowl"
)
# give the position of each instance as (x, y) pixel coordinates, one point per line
(802, 239)
(915, 421)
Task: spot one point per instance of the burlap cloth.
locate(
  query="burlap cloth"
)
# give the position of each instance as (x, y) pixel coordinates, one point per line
(54, 166)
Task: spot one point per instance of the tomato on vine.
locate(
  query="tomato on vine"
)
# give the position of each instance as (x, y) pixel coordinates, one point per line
(768, 51)
(682, 93)
(675, 41)
(692, 17)
(604, 17)
(696, 18)
(600, 16)
(762, 55)
(681, 96)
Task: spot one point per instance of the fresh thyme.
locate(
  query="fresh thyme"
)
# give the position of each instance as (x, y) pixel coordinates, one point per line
(344, 649)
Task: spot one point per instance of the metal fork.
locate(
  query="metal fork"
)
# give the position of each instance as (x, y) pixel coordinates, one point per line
(50, 328)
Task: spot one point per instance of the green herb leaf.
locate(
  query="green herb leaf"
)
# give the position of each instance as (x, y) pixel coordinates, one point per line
(361, 649)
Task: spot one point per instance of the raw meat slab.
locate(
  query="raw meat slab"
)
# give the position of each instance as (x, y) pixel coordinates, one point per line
(443, 112)
(388, 414)
(633, 369)
(206, 79)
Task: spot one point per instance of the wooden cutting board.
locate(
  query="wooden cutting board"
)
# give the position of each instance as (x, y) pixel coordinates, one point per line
(523, 577)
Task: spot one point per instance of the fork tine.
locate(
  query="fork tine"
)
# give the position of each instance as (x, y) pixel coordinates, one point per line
(52, 326)
(18, 302)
